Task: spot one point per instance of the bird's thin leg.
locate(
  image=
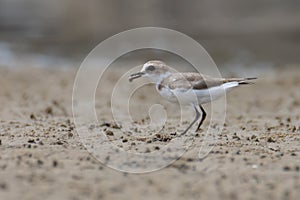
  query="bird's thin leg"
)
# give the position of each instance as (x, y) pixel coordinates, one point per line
(202, 118)
(194, 121)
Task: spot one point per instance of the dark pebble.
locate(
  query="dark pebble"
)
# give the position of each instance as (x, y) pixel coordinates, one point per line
(115, 126)
(31, 141)
(3, 186)
(49, 110)
(59, 142)
(105, 124)
(70, 134)
(253, 137)
(271, 140)
(110, 133)
(111, 125)
(124, 140)
(32, 116)
(236, 137)
(40, 162)
(263, 156)
(286, 168)
(54, 163)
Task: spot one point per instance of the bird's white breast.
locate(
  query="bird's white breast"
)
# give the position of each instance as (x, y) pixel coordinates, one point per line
(166, 93)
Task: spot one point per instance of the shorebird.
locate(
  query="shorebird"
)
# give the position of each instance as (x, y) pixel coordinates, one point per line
(187, 88)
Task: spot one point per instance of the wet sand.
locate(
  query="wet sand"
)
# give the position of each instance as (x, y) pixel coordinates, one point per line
(257, 155)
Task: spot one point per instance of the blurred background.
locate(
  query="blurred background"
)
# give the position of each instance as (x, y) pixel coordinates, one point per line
(60, 33)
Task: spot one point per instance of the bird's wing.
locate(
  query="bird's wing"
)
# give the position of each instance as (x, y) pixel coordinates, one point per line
(195, 81)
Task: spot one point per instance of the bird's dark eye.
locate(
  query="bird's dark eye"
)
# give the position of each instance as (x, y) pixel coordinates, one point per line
(150, 68)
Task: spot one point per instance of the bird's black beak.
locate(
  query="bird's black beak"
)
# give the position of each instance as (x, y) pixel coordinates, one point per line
(136, 75)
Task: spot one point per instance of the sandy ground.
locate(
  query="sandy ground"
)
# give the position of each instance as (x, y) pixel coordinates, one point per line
(257, 155)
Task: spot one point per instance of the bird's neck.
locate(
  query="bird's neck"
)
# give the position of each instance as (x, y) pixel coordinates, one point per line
(158, 79)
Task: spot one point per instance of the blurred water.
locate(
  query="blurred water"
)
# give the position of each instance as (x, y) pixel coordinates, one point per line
(243, 64)
(58, 29)
(13, 59)
(7, 57)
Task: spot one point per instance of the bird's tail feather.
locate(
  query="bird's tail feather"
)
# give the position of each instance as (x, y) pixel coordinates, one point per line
(241, 81)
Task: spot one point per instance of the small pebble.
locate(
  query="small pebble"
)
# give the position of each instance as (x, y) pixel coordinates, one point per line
(271, 140)
(286, 168)
(31, 141)
(254, 166)
(236, 137)
(105, 124)
(40, 162)
(32, 116)
(253, 137)
(49, 110)
(59, 142)
(115, 126)
(109, 132)
(3, 186)
(54, 163)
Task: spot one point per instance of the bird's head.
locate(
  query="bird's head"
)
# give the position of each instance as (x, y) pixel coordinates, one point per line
(155, 70)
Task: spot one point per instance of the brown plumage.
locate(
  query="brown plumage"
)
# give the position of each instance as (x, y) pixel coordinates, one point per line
(196, 81)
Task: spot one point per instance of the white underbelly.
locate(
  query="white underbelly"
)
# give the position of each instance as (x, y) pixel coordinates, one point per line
(191, 96)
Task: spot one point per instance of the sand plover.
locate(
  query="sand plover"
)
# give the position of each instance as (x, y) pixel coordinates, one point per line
(188, 88)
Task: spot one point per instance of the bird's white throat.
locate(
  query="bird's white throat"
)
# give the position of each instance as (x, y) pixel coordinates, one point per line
(157, 78)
